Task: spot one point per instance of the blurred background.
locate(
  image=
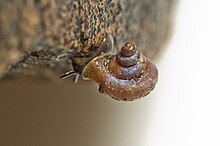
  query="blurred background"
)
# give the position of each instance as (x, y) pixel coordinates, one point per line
(183, 109)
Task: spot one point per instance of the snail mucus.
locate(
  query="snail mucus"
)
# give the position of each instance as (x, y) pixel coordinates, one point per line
(127, 76)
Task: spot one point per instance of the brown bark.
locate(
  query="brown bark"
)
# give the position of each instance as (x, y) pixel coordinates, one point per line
(37, 35)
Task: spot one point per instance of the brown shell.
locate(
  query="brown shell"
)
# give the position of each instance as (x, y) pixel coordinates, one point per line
(120, 89)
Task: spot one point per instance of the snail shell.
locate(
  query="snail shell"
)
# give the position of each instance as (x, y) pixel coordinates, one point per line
(127, 76)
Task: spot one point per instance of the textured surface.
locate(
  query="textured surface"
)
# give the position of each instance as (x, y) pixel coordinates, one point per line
(37, 35)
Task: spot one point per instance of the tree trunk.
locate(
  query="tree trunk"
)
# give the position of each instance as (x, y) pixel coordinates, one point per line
(37, 35)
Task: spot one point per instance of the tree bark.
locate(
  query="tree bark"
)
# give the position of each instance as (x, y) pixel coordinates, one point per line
(37, 35)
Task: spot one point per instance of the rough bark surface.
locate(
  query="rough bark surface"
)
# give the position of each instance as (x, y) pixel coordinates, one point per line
(37, 35)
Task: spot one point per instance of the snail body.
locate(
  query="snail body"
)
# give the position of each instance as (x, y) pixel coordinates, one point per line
(127, 76)
(105, 45)
(81, 59)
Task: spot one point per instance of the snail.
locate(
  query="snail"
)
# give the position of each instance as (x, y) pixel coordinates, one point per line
(126, 76)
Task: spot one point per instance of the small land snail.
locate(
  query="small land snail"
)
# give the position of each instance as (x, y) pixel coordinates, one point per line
(126, 76)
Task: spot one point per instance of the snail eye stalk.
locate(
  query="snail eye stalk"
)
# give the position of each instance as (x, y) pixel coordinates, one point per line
(68, 74)
(71, 73)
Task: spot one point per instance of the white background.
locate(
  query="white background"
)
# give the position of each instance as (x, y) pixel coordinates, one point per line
(187, 106)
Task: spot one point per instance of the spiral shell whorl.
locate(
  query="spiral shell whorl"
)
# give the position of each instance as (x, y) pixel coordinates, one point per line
(128, 55)
(128, 63)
